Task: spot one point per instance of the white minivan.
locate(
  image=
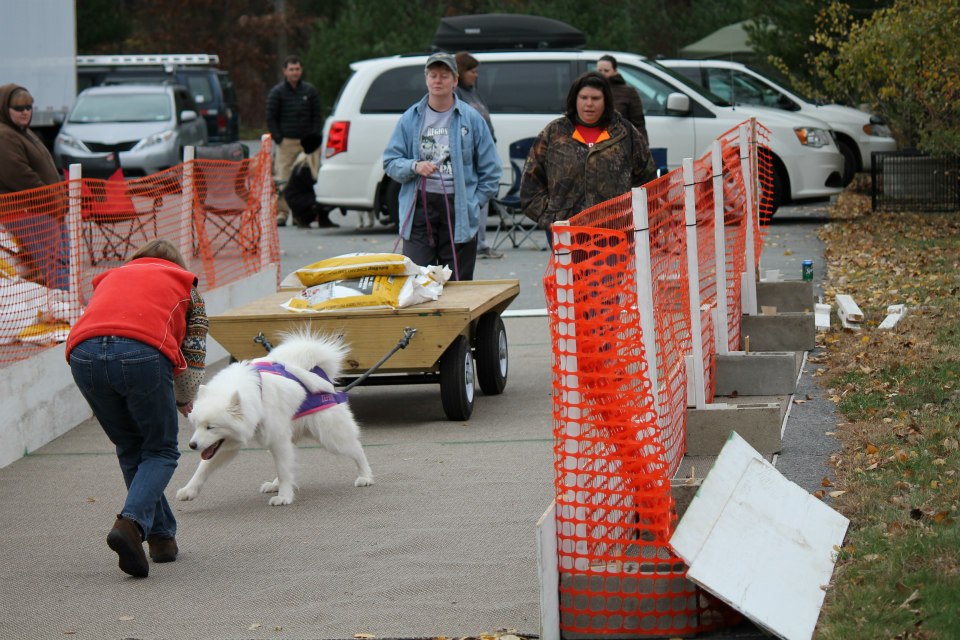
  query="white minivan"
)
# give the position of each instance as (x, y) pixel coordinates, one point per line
(858, 133)
(526, 89)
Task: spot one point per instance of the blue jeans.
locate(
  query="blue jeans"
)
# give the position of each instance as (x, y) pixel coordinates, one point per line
(129, 386)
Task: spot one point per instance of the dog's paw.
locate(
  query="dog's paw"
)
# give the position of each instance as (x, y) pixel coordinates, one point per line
(363, 481)
(270, 487)
(187, 493)
(276, 501)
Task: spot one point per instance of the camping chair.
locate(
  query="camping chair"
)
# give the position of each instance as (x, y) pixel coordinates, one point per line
(514, 226)
(225, 216)
(112, 225)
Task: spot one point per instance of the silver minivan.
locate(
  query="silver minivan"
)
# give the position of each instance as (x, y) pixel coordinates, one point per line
(859, 134)
(147, 125)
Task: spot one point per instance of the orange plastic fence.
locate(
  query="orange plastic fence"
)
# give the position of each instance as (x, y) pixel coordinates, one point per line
(620, 412)
(705, 216)
(614, 506)
(54, 240)
(735, 218)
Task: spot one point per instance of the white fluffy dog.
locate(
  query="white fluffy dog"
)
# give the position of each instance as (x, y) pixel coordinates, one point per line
(276, 401)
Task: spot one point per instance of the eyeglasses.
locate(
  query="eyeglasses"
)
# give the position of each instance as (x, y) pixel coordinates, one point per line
(22, 107)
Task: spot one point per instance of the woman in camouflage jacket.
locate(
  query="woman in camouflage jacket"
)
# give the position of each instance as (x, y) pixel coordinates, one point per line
(585, 157)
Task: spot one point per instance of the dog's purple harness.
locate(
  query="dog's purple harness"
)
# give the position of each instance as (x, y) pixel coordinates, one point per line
(314, 401)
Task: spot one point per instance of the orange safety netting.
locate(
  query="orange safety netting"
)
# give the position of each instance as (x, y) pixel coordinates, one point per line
(735, 218)
(705, 215)
(54, 240)
(614, 506)
(619, 411)
(670, 298)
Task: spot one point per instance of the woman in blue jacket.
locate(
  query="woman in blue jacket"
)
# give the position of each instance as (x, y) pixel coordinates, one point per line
(444, 157)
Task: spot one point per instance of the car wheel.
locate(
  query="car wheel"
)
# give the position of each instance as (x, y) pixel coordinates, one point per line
(771, 198)
(849, 161)
(457, 380)
(491, 351)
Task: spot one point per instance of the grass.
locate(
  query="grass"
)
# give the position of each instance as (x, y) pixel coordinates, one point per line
(898, 394)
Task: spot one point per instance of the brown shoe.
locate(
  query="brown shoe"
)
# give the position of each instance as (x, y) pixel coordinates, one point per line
(163, 549)
(125, 538)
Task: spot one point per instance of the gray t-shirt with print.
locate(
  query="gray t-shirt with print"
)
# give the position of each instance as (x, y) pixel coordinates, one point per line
(435, 148)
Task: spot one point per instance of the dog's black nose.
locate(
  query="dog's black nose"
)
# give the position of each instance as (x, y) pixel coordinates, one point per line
(193, 445)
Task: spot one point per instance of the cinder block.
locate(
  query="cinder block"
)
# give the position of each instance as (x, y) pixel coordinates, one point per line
(779, 332)
(758, 423)
(787, 296)
(758, 373)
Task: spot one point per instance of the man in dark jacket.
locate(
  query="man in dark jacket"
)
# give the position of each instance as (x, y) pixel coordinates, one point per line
(626, 100)
(293, 111)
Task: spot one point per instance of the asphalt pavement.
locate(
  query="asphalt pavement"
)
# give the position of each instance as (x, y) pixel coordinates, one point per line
(442, 544)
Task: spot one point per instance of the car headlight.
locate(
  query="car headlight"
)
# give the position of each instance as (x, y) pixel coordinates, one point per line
(71, 143)
(812, 137)
(880, 130)
(155, 139)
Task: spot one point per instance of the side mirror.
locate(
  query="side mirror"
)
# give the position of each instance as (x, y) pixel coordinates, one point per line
(678, 104)
(188, 115)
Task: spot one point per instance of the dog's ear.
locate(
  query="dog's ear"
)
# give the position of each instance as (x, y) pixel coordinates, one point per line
(234, 407)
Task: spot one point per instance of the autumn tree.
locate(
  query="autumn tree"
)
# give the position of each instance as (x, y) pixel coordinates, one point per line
(904, 62)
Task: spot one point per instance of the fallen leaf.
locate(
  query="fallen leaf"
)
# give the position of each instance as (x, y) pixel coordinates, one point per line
(125, 618)
(836, 494)
(942, 517)
(254, 626)
(871, 449)
(826, 482)
(364, 636)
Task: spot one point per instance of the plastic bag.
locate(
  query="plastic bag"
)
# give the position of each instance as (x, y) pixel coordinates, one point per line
(351, 266)
(371, 292)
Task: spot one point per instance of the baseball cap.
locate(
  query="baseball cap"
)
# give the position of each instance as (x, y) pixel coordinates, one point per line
(444, 58)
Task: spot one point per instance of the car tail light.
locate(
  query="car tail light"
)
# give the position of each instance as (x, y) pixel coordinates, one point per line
(221, 123)
(337, 138)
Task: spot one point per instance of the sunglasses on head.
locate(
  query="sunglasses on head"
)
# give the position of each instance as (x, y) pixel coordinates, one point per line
(22, 107)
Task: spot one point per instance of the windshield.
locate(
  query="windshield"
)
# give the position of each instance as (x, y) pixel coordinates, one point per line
(780, 79)
(691, 85)
(125, 107)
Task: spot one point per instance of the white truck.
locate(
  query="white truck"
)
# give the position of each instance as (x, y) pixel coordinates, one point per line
(38, 50)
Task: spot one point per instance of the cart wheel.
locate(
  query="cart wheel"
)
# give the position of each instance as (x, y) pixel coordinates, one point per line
(456, 380)
(491, 350)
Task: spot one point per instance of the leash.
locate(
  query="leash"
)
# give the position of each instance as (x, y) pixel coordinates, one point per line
(421, 189)
(408, 333)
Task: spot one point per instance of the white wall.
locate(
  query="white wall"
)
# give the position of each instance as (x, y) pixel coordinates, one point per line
(40, 401)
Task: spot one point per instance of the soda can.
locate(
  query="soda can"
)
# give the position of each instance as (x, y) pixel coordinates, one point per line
(808, 270)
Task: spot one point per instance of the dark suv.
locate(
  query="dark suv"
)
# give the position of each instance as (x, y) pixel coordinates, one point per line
(211, 88)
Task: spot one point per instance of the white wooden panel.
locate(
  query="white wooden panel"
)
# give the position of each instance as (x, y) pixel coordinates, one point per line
(549, 574)
(847, 309)
(763, 544)
(712, 497)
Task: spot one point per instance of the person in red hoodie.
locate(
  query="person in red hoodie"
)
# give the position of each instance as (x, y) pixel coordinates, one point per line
(137, 355)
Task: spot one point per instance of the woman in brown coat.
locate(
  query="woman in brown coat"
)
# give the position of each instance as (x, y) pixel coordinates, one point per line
(26, 164)
(587, 156)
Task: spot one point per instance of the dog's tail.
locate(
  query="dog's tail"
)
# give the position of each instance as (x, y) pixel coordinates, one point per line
(308, 348)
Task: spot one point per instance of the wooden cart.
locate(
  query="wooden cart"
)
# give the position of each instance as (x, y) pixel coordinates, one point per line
(463, 327)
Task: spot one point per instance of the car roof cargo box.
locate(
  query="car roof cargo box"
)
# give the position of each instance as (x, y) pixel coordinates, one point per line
(484, 32)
